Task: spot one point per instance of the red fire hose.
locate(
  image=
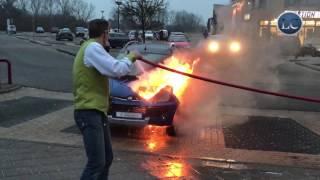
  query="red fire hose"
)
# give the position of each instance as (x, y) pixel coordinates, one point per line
(308, 99)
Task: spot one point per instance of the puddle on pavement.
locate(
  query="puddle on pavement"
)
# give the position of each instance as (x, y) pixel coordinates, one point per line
(169, 168)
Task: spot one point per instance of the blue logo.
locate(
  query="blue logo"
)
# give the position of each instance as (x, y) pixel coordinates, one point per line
(290, 23)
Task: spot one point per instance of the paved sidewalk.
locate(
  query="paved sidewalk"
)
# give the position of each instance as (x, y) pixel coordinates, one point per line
(23, 160)
(35, 144)
(309, 62)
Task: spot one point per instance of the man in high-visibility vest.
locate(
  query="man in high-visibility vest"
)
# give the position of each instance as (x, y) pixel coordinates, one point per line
(91, 69)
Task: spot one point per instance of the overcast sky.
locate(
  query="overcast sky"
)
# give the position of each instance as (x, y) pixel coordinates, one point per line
(200, 7)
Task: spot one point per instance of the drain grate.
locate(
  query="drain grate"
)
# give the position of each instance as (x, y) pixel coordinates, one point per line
(272, 134)
(16, 111)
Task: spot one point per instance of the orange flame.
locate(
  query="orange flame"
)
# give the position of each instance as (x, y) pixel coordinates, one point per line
(175, 169)
(149, 84)
(156, 137)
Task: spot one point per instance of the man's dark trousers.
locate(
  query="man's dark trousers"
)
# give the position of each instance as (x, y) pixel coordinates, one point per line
(95, 129)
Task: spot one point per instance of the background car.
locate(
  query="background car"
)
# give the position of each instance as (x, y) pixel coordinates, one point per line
(177, 33)
(54, 30)
(64, 33)
(11, 29)
(179, 41)
(39, 29)
(80, 31)
(118, 40)
(311, 48)
(128, 108)
(223, 46)
(132, 35)
(149, 35)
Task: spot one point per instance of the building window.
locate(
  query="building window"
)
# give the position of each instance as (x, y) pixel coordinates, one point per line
(263, 4)
(264, 23)
(309, 23)
(310, 2)
(247, 17)
(291, 3)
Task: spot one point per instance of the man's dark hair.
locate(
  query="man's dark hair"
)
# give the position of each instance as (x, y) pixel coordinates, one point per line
(97, 27)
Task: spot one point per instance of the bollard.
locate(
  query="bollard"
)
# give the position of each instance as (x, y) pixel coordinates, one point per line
(9, 70)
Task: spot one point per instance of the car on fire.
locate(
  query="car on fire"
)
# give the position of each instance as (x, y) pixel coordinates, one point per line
(128, 107)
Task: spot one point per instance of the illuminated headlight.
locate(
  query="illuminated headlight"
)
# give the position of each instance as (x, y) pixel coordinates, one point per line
(213, 47)
(235, 47)
(318, 49)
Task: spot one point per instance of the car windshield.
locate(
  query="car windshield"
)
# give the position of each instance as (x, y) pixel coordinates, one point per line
(65, 30)
(138, 69)
(178, 39)
(121, 35)
(79, 29)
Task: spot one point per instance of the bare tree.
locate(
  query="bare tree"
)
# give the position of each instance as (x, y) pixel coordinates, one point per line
(143, 11)
(186, 21)
(49, 8)
(66, 7)
(83, 11)
(8, 3)
(35, 6)
(23, 5)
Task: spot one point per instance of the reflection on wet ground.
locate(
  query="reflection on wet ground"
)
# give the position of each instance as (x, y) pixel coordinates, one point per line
(223, 141)
(161, 167)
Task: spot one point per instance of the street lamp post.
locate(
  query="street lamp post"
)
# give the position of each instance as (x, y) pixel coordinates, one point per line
(118, 2)
(102, 11)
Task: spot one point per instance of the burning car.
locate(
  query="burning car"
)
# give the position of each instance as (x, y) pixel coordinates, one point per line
(148, 95)
(137, 99)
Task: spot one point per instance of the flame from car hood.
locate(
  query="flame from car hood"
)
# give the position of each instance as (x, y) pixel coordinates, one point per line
(152, 82)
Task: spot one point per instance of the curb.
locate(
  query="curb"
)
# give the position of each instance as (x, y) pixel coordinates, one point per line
(66, 52)
(22, 38)
(39, 42)
(9, 88)
(308, 66)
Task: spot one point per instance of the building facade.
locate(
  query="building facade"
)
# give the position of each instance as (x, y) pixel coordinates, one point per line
(259, 17)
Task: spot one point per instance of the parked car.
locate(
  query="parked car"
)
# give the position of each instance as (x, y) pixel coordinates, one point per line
(149, 35)
(115, 30)
(132, 35)
(179, 41)
(39, 29)
(64, 33)
(311, 48)
(80, 31)
(118, 39)
(11, 29)
(162, 35)
(128, 108)
(177, 33)
(54, 30)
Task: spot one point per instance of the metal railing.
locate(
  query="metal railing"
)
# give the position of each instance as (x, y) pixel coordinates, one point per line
(9, 70)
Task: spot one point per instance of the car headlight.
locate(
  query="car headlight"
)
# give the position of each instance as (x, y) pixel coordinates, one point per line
(213, 47)
(235, 47)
